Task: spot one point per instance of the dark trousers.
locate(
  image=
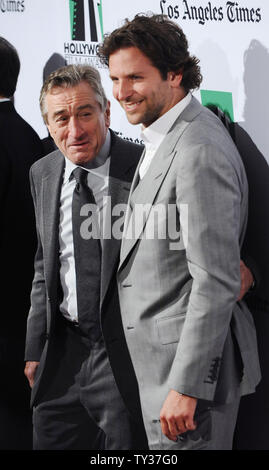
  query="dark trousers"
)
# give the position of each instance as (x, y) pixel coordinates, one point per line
(253, 418)
(80, 407)
(15, 413)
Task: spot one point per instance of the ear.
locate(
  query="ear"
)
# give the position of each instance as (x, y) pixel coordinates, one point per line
(175, 78)
(107, 114)
(49, 129)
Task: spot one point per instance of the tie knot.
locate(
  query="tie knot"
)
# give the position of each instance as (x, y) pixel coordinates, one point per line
(80, 175)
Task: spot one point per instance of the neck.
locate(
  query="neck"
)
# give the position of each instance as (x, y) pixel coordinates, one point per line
(179, 94)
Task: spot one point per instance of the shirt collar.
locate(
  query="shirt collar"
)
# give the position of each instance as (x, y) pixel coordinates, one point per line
(2, 100)
(96, 165)
(155, 133)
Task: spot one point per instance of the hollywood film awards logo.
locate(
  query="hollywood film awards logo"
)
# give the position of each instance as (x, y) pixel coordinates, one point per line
(86, 32)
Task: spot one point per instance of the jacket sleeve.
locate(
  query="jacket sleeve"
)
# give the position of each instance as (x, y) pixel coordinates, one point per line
(209, 183)
(36, 323)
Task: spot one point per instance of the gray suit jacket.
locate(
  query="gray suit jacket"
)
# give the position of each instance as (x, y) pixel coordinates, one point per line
(183, 326)
(46, 178)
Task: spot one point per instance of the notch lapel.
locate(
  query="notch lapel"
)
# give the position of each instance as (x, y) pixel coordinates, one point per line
(119, 187)
(118, 194)
(146, 192)
(51, 188)
(144, 195)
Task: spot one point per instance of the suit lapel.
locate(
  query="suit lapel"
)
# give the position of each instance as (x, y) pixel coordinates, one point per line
(133, 187)
(143, 196)
(51, 188)
(145, 192)
(119, 188)
(118, 192)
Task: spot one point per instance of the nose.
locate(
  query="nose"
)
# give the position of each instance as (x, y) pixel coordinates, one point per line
(75, 128)
(123, 90)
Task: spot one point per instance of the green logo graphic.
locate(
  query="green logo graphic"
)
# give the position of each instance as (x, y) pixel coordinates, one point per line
(78, 16)
(222, 99)
(100, 11)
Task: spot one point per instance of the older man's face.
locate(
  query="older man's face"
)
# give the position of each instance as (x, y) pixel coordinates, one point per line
(76, 122)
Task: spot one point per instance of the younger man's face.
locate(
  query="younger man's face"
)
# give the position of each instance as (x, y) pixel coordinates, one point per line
(139, 87)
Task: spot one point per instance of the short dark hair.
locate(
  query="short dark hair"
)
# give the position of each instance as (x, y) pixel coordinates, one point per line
(161, 40)
(9, 68)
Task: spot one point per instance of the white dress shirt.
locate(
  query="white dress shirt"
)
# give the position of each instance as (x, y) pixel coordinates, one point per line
(154, 134)
(98, 180)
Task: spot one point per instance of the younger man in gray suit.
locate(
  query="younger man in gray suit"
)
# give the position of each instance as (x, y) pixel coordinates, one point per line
(193, 346)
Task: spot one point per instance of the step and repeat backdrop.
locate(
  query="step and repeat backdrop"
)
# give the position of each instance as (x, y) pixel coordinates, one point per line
(229, 37)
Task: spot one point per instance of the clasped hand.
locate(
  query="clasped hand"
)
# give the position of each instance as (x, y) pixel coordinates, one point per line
(177, 415)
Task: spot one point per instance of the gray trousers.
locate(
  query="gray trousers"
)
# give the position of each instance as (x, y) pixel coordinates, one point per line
(214, 431)
(81, 407)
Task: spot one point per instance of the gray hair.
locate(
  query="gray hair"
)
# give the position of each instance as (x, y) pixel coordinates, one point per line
(70, 76)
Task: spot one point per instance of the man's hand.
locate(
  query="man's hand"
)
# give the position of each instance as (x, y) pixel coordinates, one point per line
(30, 371)
(177, 415)
(246, 280)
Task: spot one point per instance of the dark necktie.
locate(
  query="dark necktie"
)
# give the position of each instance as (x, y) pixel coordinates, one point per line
(87, 253)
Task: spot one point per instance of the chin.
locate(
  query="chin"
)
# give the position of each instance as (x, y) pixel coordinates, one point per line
(79, 159)
(134, 119)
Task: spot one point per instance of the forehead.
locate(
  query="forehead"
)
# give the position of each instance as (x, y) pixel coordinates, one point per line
(69, 97)
(129, 60)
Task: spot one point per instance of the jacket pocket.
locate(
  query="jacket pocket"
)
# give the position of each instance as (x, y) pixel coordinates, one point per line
(170, 327)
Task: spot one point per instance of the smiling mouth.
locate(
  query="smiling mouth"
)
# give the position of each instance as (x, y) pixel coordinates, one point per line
(129, 107)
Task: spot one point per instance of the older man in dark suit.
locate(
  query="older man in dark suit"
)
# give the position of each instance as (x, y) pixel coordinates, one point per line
(74, 336)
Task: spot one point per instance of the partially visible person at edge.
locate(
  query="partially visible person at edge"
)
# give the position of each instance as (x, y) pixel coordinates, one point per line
(20, 147)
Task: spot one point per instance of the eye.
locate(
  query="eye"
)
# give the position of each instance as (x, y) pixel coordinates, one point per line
(85, 114)
(61, 119)
(136, 77)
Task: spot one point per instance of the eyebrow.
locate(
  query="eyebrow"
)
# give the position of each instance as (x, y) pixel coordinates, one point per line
(128, 76)
(80, 108)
